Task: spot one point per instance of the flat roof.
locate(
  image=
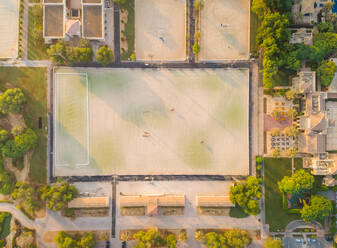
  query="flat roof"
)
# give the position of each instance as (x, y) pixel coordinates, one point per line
(9, 18)
(53, 1)
(89, 202)
(92, 21)
(214, 201)
(53, 20)
(151, 121)
(92, 1)
(152, 200)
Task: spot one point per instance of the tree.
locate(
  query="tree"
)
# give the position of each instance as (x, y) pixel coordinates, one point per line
(237, 238)
(199, 236)
(64, 240)
(58, 52)
(213, 240)
(290, 94)
(133, 57)
(84, 43)
(182, 235)
(325, 27)
(171, 241)
(291, 152)
(28, 196)
(291, 112)
(274, 243)
(26, 140)
(150, 238)
(301, 181)
(58, 195)
(276, 113)
(259, 7)
(5, 182)
(12, 101)
(196, 48)
(275, 132)
(17, 130)
(3, 137)
(104, 55)
(320, 208)
(326, 72)
(325, 43)
(291, 131)
(275, 153)
(198, 5)
(246, 195)
(10, 150)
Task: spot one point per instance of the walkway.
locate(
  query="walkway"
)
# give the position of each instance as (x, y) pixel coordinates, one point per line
(24, 220)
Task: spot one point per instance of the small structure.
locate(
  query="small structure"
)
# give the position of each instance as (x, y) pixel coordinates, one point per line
(214, 201)
(73, 18)
(302, 35)
(89, 202)
(306, 11)
(305, 82)
(152, 202)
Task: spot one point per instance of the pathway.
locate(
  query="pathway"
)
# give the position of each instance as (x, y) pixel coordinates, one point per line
(24, 220)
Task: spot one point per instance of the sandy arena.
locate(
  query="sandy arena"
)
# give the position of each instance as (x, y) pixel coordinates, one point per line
(160, 29)
(9, 28)
(224, 30)
(152, 121)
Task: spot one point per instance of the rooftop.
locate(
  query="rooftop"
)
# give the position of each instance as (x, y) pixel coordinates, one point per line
(92, 21)
(53, 21)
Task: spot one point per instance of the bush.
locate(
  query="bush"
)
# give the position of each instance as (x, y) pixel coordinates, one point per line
(259, 160)
(133, 57)
(26, 140)
(28, 196)
(5, 182)
(196, 48)
(64, 240)
(326, 72)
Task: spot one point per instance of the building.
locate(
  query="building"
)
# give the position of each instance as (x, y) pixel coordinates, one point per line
(302, 35)
(73, 18)
(307, 11)
(317, 140)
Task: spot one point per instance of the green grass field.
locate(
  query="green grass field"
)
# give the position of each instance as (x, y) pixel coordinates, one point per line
(254, 24)
(274, 171)
(129, 6)
(6, 224)
(33, 83)
(36, 46)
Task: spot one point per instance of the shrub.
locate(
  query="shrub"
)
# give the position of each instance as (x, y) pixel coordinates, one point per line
(12, 101)
(196, 48)
(104, 55)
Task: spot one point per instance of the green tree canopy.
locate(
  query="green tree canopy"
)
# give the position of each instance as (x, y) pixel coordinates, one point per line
(320, 208)
(326, 72)
(234, 238)
(65, 240)
(11, 150)
(26, 140)
(246, 195)
(274, 243)
(325, 27)
(150, 238)
(300, 182)
(12, 101)
(104, 55)
(58, 195)
(5, 181)
(4, 136)
(28, 196)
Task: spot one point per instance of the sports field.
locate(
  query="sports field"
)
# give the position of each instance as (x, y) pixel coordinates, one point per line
(9, 28)
(160, 29)
(224, 26)
(151, 121)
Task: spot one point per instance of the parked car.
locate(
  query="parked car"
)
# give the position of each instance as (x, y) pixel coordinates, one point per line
(124, 244)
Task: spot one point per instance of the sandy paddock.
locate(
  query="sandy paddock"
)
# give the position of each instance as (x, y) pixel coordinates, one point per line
(160, 29)
(160, 121)
(225, 30)
(9, 28)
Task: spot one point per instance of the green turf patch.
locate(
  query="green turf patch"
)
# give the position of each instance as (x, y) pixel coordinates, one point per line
(33, 83)
(5, 226)
(129, 6)
(37, 49)
(283, 78)
(254, 24)
(237, 212)
(298, 163)
(274, 171)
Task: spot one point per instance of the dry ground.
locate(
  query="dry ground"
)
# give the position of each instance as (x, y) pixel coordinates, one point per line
(230, 42)
(160, 29)
(9, 28)
(150, 121)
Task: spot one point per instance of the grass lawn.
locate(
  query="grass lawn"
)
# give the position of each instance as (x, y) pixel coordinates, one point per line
(129, 6)
(254, 24)
(36, 46)
(237, 212)
(6, 227)
(274, 171)
(34, 85)
(34, 1)
(298, 164)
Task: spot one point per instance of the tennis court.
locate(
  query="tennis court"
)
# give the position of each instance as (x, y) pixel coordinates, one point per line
(224, 26)
(160, 29)
(152, 121)
(9, 28)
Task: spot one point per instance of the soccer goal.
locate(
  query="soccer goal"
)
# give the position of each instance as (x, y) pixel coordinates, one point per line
(71, 119)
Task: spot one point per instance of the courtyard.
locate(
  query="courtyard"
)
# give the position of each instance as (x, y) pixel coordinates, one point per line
(160, 29)
(225, 30)
(151, 121)
(9, 28)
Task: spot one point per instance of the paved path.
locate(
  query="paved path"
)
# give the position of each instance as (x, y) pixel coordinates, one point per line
(24, 220)
(26, 63)
(117, 33)
(25, 29)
